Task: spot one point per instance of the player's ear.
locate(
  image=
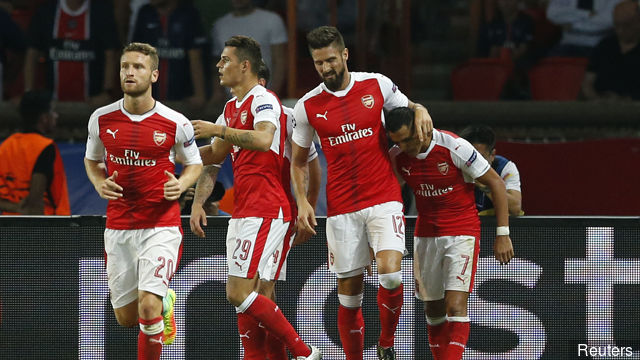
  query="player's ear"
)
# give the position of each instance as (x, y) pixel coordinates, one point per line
(345, 54)
(154, 75)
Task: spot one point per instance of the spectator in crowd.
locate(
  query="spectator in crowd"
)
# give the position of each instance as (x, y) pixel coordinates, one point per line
(484, 140)
(266, 27)
(584, 23)
(79, 41)
(613, 72)
(508, 35)
(11, 39)
(32, 177)
(441, 170)
(175, 29)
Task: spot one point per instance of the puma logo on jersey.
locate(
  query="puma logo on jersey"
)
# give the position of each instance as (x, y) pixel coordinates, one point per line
(390, 309)
(407, 170)
(112, 133)
(461, 279)
(239, 265)
(324, 116)
(357, 331)
(245, 335)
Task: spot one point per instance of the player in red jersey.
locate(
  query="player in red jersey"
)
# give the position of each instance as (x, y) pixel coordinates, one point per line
(363, 198)
(441, 171)
(254, 133)
(139, 139)
(262, 342)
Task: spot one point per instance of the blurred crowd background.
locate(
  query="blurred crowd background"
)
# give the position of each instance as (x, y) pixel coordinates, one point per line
(558, 80)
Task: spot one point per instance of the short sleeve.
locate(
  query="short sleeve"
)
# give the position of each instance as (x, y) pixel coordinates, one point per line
(511, 176)
(185, 146)
(466, 158)
(313, 153)
(393, 97)
(265, 107)
(303, 132)
(95, 147)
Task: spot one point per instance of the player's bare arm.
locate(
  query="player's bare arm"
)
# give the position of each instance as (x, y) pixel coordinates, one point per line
(502, 247)
(313, 178)
(174, 187)
(107, 187)
(258, 139)
(514, 199)
(204, 188)
(423, 121)
(306, 213)
(216, 152)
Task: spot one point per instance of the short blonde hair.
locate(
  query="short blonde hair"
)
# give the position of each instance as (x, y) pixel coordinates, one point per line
(146, 49)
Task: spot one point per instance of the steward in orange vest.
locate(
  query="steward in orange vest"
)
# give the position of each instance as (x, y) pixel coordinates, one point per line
(32, 177)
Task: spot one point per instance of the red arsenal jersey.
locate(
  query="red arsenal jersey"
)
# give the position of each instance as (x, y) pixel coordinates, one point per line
(350, 125)
(442, 181)
(141, 148)
(258, 188)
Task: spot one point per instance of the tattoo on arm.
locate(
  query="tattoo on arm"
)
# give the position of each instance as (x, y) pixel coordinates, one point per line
(244, 139)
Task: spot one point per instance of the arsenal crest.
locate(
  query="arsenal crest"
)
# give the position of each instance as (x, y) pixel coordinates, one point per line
(159, 137)
(368, 101)
(243, 117)
(443, 168)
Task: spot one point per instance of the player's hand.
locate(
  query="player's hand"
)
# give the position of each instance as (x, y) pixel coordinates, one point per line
(171, 187)
(306, 218)
(198, 216)
(423, 122)
(204, 129)
(109, 189)
(301, 236)
(503, 249)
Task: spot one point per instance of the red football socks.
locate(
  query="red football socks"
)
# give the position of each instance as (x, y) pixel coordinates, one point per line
(149, 346)
(351, 329)
(438, 340)
(389, 306)
(265, 311)
(252, 337)
(458, 335)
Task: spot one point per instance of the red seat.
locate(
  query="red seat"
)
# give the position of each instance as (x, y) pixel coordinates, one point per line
(557, 78)
(480, 79)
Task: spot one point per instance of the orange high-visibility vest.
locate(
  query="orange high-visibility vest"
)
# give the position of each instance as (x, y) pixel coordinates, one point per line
(18, 156)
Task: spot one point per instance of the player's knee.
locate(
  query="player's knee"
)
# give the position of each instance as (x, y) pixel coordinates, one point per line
(456, 309)
(150, 306)
(390, 281)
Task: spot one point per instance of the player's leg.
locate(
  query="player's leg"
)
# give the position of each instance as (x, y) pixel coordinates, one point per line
(274, 348)
(427, 269)
(251, 244)
(386, 232)
(151, 326)
(158, 251)
(348, 256)
(459, 266)
(121, 260)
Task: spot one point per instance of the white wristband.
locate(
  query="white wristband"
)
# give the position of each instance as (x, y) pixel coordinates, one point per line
(502, 231)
